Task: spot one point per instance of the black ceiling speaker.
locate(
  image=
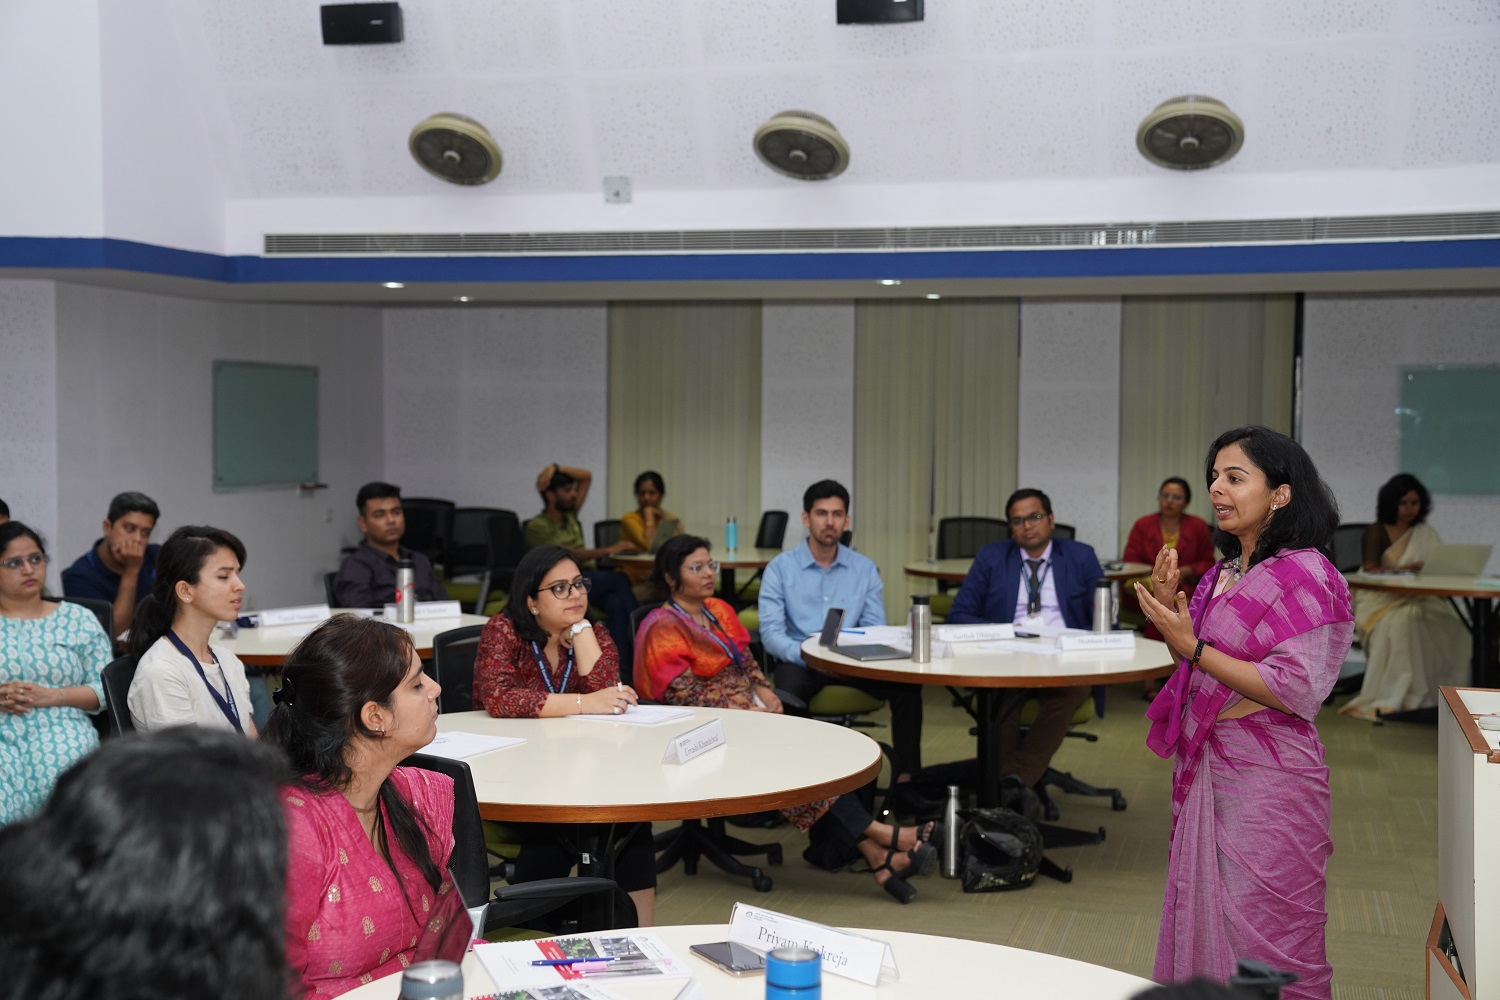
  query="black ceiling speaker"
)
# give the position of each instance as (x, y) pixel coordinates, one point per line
(361, 23)
(879, 11)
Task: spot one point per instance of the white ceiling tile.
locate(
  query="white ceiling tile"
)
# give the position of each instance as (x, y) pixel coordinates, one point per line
(1034, 118)
(380, 118)
(990, 29)
(506, 37)
(1454, 89)
(1300, 20)
(1323, 106)
(932, 38)
(293, 141)
(647, 128)
(612, 36)
(751, 32)
(1467, 13)
(1151, 23)
(899, 121)
(541, 124)
(263, 42)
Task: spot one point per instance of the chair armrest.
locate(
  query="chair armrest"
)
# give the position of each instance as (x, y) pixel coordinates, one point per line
(514, 905)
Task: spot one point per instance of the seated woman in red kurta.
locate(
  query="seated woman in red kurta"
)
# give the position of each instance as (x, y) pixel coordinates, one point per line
(694, 651)
(1169, 528)
(541, 658)
(368, 843)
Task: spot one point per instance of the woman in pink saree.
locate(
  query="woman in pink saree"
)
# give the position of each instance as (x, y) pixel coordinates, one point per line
(1259, 647)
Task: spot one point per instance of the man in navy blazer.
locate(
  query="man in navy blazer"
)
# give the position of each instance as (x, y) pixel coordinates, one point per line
(1032, 579)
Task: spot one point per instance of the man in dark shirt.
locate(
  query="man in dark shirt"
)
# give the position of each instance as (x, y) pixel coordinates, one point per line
(121, 567)
(367, 578)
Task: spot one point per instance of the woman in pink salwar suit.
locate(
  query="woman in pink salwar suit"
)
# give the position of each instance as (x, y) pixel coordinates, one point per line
(1260, 646)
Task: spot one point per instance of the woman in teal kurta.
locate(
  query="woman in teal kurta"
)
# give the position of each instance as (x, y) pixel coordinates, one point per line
(51, 658)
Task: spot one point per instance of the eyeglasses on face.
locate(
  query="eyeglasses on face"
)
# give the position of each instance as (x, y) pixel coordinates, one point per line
(35, 559)
(1035, 518)
(561, 590)
(712, 566)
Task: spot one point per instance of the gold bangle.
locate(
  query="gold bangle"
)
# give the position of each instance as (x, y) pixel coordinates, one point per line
(580, 703)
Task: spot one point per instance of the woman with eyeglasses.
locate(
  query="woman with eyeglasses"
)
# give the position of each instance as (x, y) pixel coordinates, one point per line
(51, 658)
(693, 651)
(542, 659)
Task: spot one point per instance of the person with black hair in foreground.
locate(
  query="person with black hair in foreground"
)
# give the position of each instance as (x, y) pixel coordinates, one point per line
(368, 842)
(154, 870)
(51, 656)
(180, 680)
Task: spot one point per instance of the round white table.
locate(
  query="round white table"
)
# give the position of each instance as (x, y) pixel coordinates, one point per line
(991, 672)
(268, 647)
(1478, 594)
(929, 967)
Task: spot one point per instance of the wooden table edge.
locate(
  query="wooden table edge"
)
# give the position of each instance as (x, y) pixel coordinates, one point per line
(872, 671)
(697, 809)
(1405, 589)
(946, 576)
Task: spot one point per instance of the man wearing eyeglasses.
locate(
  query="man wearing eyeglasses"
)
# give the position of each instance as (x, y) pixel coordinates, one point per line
(367, 576)
(121, 567)
(563, 490)
(1038, 582)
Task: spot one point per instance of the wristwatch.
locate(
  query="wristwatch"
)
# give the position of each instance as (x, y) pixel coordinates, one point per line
(579, 627)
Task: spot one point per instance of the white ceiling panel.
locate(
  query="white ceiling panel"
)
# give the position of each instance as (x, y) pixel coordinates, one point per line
(1454, 89)
(1326, 103)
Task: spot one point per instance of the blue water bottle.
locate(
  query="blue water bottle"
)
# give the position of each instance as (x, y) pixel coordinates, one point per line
(794, 974)
(731, 534)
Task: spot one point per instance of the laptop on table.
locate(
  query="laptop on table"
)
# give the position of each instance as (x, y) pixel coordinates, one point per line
(1456, 560)
(830, 639)
(665, 529)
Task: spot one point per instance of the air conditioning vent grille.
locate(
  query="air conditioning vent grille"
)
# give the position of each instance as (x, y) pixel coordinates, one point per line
(1135, 234)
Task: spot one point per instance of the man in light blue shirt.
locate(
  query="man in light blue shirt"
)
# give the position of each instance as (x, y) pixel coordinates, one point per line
(796, 591)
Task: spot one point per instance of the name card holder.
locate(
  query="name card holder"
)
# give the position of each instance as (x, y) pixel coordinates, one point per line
(852, 956)
(428, 610)
(974, 633)
(304, 615)
(695, 742)
(1079, 641)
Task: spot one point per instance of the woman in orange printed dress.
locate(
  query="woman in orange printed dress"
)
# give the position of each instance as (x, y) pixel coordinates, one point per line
(693, 651)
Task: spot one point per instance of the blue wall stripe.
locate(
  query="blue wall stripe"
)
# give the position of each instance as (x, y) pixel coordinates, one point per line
(125, 255)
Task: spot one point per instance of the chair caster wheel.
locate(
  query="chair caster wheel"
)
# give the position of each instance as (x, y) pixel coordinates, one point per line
(773, 856)
(761, 883)
(1117, 803)
(1052, 813)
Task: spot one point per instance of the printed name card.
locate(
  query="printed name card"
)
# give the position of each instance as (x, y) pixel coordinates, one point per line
(305, 615)
(1076, 641)
(428, 610)
(973, 633)
(695, 743)
(852, 956)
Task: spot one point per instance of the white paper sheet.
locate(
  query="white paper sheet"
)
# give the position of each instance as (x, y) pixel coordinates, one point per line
(457, 746)
(641, 715)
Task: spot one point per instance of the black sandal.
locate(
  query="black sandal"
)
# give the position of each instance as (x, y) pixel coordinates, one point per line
(897, 885)
(924, 856)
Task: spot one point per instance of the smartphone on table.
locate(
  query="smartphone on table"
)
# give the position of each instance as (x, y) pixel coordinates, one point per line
(735, 959)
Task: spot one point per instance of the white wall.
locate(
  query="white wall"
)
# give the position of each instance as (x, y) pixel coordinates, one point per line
(50, 115)
(806, 404)
(28, 411)
(1070, 414)
(1353, 350)
(479, 400)
(134, 412)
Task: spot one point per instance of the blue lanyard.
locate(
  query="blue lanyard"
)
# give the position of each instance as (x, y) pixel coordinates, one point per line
(231, 712)
(541, 664)
(728, 647)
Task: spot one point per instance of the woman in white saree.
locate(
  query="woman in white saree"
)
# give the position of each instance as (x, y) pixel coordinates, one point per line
(1412, 644)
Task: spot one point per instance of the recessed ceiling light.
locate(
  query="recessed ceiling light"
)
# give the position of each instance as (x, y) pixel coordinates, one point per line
(394, 284)
(460, 298)
(890, 281)
(933, 295)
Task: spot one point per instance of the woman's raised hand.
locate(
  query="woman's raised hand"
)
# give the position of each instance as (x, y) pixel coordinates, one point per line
(1165, 577)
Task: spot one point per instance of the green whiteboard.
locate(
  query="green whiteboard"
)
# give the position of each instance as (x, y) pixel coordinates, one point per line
(265, 425)
(1450, 427)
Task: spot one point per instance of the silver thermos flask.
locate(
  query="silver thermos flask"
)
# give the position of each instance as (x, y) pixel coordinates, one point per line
(1104, 605)
(921, 628)
(950, 834)
(433, 980)
(406, 592)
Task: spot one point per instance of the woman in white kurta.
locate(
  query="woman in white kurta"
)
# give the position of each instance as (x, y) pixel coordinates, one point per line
(180, 679)
(1412, 644)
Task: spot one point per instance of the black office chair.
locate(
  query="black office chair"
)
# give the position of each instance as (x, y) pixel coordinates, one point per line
(504, 545)
(1065, 531)
(962, 538)
(116, 677)
(429, 526)
(1347, 551)
(328, 594)
(468, 549)
(693, 839)
(607, 533)
(769, 535)
(453, 655)
(510, 905)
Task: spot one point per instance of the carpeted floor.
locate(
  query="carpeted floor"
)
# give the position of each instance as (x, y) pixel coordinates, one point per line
(1381, 885)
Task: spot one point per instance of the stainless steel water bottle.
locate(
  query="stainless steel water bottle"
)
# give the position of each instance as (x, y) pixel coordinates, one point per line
(406, 591)
(921, 628)
(1104, 605)
(434, 980)
(950, 834)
